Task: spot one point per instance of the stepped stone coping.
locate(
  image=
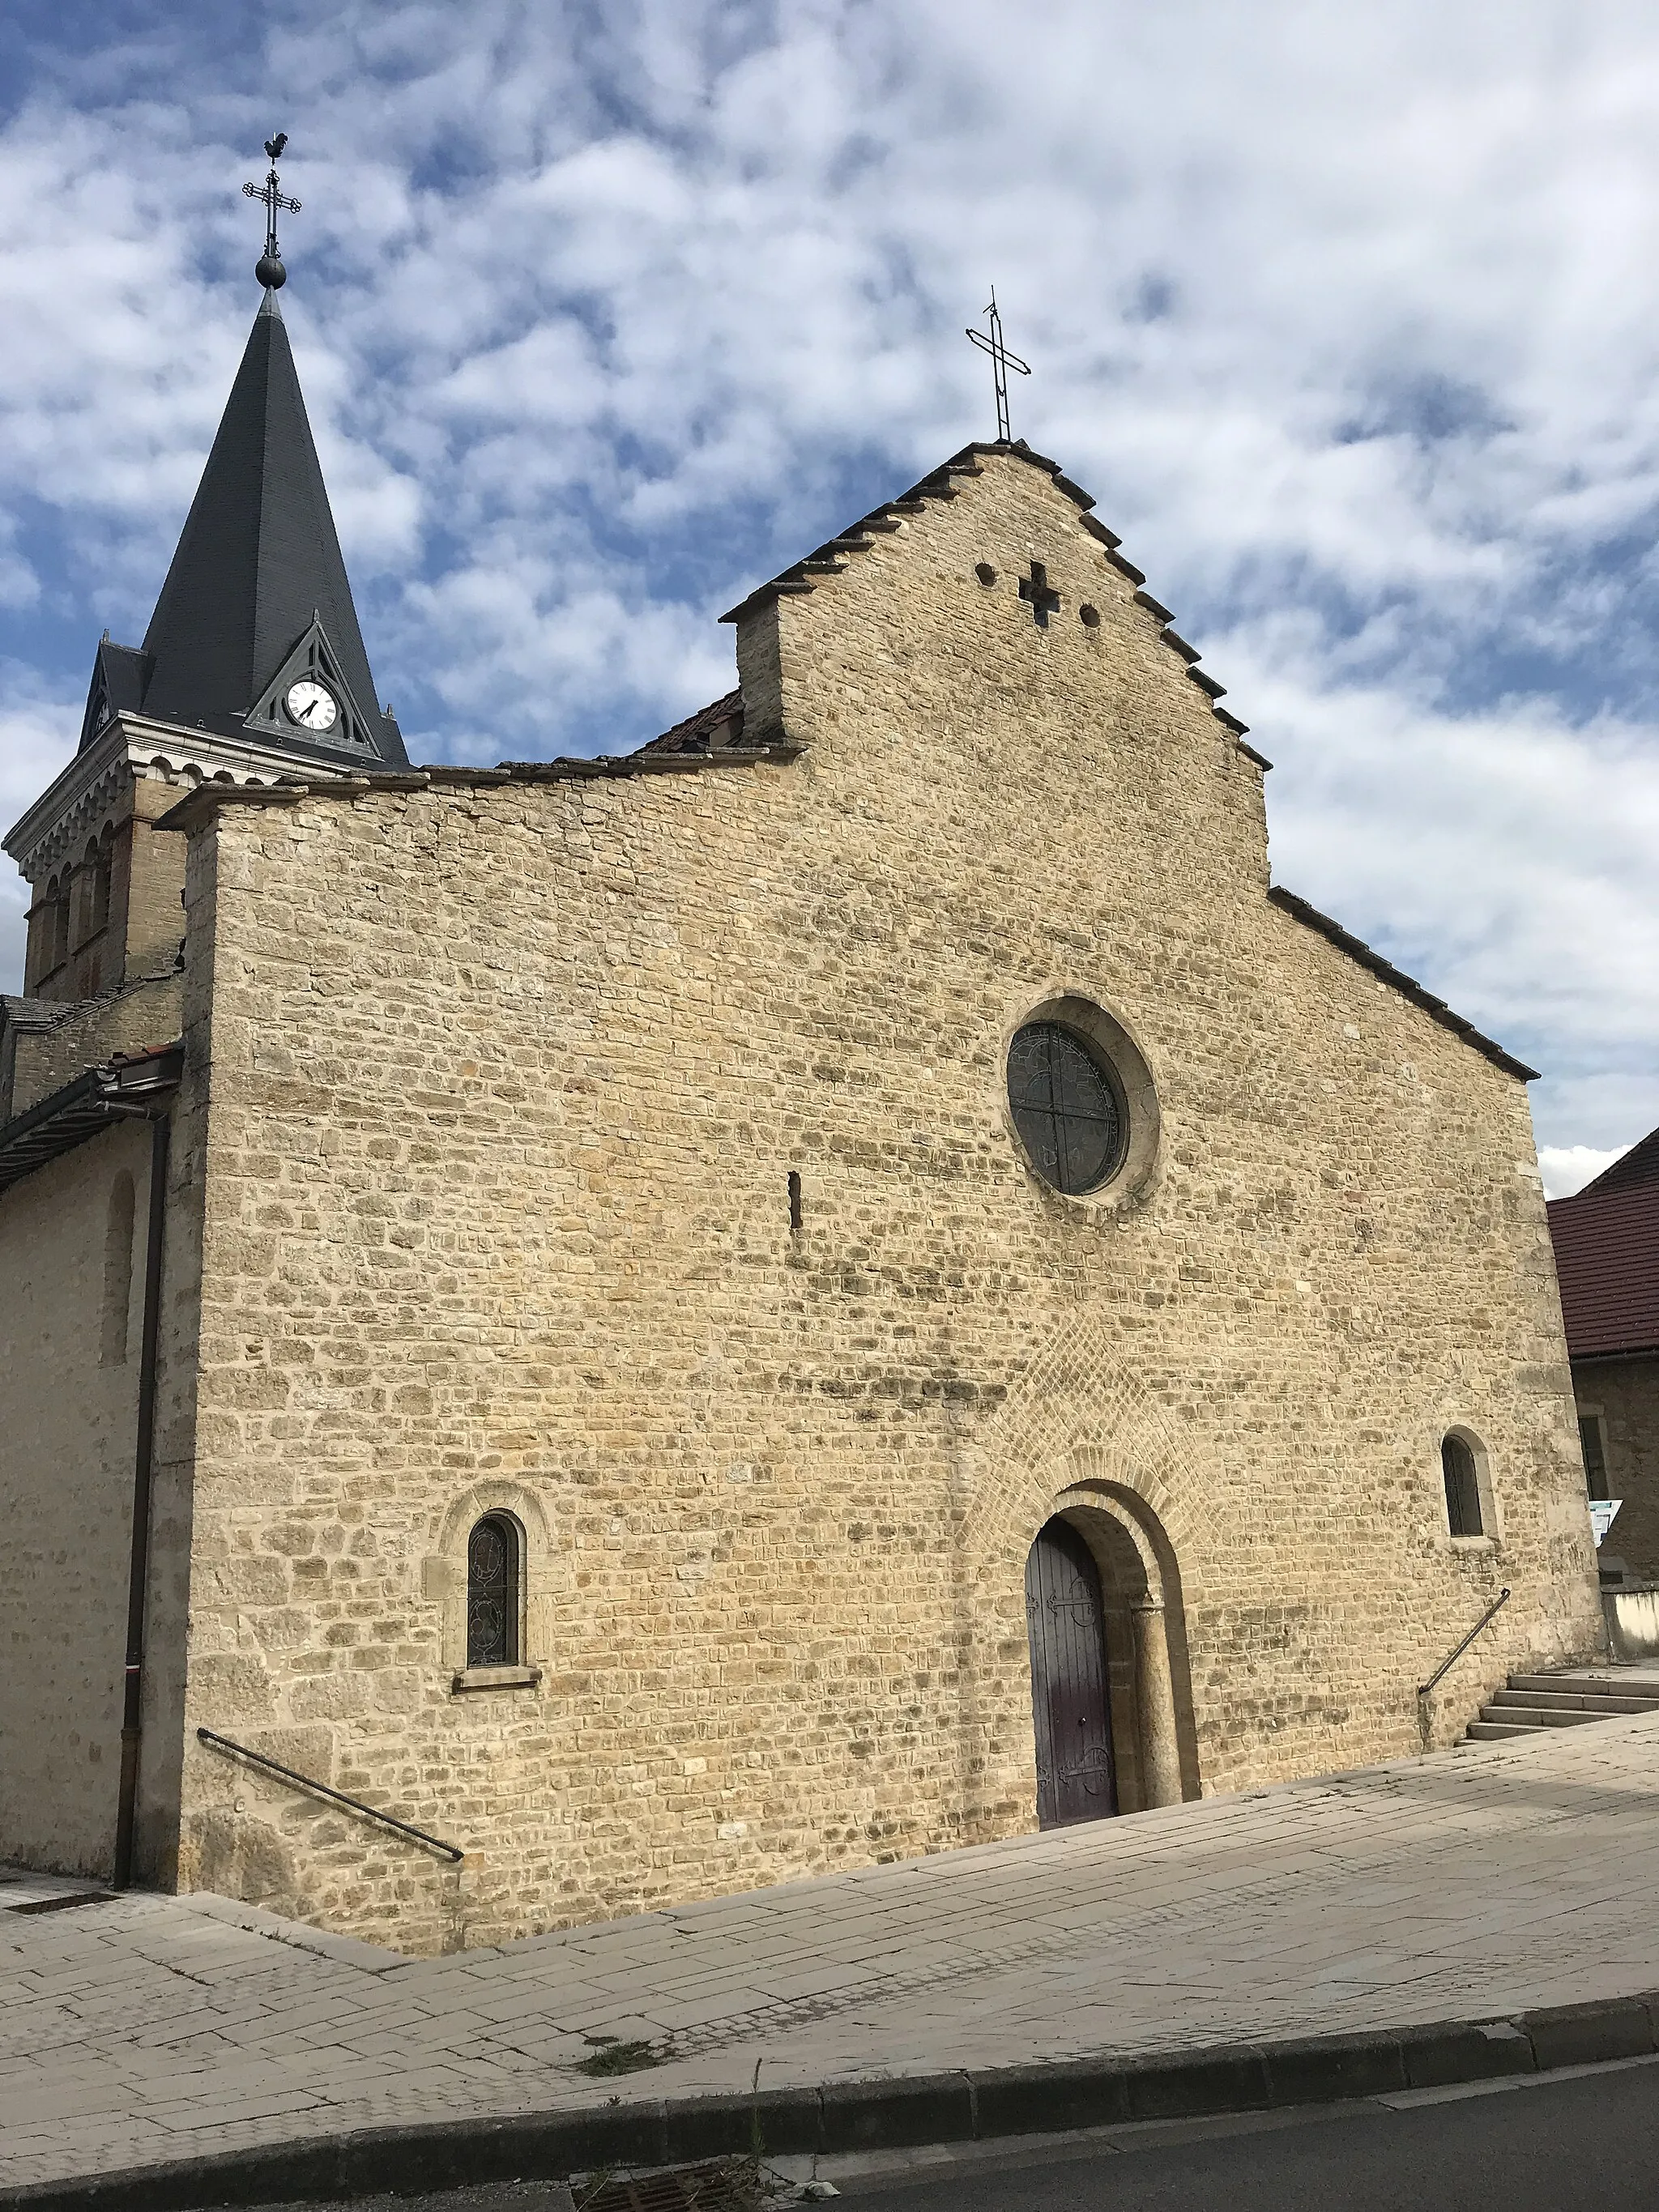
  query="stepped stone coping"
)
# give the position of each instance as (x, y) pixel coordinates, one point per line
(831, 558)
(1407, 985)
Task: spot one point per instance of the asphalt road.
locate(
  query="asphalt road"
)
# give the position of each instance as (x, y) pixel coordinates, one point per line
(1584, 2144)
(1587, 2143)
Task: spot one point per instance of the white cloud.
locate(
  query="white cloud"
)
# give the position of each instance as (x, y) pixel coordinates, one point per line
(1568, 1168)
(38, 735)
(1350, 318)
(1506, 857)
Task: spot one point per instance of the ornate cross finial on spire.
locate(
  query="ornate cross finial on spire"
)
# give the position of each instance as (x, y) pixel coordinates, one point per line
(1002, 360)
(269, 268)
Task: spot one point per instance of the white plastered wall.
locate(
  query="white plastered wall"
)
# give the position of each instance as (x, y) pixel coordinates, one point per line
(68, 1425)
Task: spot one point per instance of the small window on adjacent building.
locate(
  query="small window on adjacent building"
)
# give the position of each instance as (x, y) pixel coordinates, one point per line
(1463, 1488)
(493, 1564)
(1595, 1455)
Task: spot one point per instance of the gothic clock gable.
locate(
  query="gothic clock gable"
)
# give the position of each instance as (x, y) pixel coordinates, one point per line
(313, 661)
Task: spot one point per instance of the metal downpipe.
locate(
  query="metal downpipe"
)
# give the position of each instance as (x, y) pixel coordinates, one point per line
(143, 1486)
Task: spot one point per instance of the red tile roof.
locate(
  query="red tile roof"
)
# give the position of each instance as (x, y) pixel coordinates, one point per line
(1607, 1256)
(710, 727)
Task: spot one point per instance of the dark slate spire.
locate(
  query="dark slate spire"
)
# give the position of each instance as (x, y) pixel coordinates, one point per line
(257, 597)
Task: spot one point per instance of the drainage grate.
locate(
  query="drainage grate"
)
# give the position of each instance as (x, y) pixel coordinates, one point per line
(63, 1904)
(723, 2185)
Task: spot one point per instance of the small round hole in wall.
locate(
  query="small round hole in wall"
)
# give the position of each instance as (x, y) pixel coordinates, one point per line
(985, 572)
(1090, 616)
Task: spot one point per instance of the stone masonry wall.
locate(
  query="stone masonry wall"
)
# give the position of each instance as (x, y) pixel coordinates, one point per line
(497, 1092)
(69, 1389)
(148, 908)
(145, 1013)
(1626, 1394)
(144, 924)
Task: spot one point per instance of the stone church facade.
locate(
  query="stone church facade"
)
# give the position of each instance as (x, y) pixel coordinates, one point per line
(601, 1353)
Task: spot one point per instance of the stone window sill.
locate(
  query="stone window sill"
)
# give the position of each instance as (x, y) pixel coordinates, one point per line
(497, 1678)
(1472, 1543)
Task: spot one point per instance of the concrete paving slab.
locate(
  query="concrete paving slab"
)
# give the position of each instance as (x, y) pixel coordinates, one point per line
(1470, 1885)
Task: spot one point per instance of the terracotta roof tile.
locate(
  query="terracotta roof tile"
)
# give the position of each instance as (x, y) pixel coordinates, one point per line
(718, 724)
(1640, 1164)
(1606, 1257)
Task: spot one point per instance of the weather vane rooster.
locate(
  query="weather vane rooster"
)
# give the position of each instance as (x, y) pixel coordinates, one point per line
(269, 268)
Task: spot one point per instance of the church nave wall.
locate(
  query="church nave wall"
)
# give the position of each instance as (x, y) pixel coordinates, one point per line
(508, 1081)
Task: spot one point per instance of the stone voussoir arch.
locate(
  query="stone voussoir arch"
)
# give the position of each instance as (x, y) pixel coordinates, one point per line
(1080, 1436)
(1077, 1417)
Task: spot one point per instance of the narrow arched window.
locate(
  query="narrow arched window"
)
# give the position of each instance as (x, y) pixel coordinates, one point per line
(58, 923)
(1462, 1487)
(493, 1577)
(38, 960)
(84, 886)
(117, 1273)
(103, 871)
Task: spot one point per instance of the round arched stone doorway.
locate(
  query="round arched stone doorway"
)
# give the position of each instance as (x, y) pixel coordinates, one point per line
(1103, 1608)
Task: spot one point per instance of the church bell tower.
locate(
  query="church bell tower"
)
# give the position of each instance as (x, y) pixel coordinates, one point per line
(253, 671)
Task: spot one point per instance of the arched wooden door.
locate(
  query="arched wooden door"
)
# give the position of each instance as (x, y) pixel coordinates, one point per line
(1064, 1620)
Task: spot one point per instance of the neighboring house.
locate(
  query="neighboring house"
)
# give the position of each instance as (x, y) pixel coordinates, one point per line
(850, 1282)
(1607, 1258)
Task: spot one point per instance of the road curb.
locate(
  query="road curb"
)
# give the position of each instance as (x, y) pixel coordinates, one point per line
(903, 2111)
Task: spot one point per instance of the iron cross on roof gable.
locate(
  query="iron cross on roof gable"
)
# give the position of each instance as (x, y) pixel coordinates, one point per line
(269, 268)
(1001, 362)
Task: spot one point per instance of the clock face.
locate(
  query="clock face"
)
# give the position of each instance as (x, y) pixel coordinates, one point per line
(310, 705)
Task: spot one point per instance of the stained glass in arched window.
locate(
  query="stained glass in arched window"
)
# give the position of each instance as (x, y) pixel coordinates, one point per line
(492, 1593)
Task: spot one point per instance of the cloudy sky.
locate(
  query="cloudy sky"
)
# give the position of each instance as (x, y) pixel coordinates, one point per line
(1348, 316)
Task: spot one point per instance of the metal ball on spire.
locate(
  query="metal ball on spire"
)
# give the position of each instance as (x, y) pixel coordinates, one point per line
(269, 268)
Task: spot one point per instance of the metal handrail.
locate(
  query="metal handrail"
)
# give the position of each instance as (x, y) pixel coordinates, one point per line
(305, 1781)
(1446, 1664)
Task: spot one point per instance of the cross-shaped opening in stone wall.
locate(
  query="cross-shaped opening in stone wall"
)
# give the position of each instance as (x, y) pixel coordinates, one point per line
(1038, 594)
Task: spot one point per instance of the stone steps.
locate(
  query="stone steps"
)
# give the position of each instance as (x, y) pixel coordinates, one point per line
(1531, 1702)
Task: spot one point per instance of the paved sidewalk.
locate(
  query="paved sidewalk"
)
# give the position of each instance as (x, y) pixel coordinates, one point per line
(1487, 1880)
